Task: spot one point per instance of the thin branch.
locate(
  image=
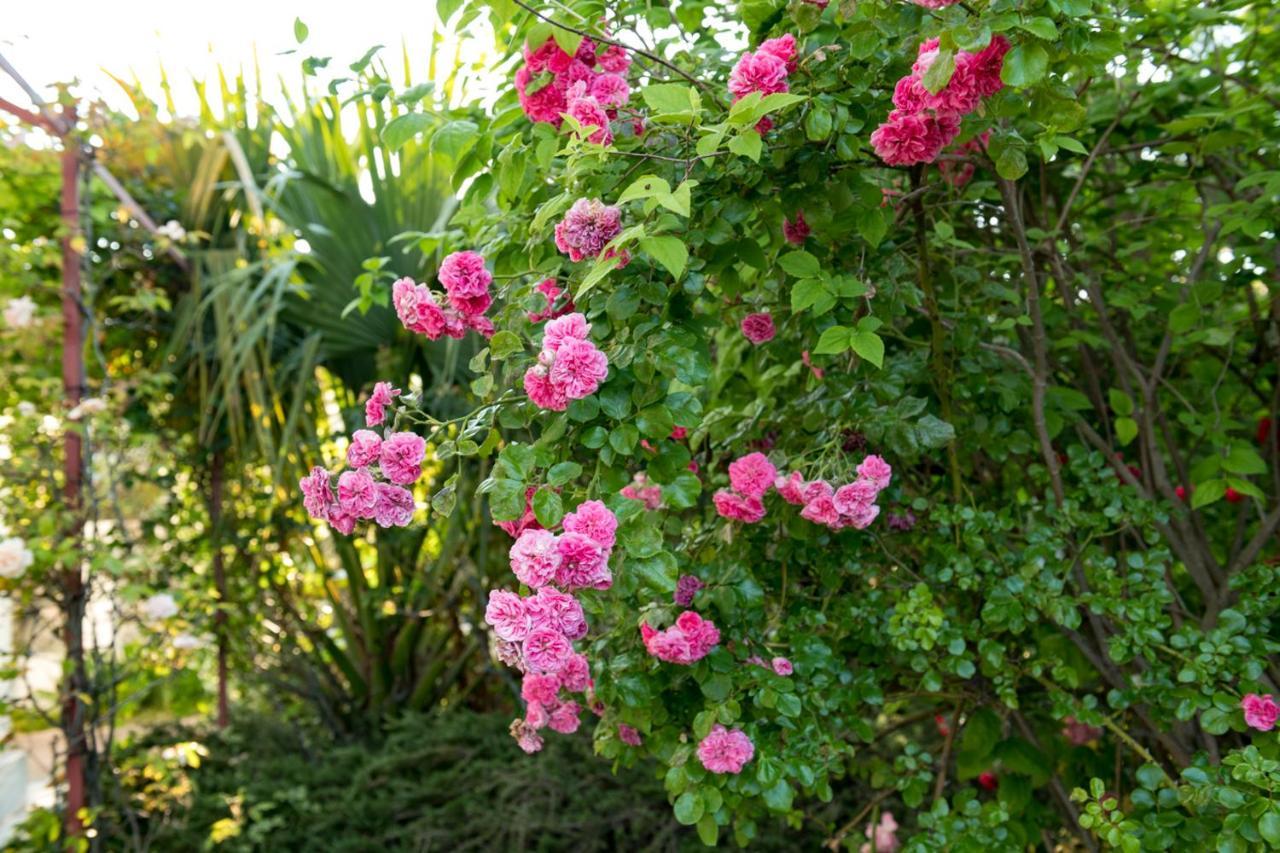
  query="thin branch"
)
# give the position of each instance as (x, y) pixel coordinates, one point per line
(603, 40)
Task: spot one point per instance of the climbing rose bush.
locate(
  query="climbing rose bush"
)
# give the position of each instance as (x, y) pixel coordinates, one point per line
(872, 394)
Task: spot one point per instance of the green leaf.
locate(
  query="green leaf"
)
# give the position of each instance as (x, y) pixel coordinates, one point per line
(689, 808)
(778, 798)
(1126, 430)
(939, 72)
(811, 293)
(1269, 827)
(675, 100)
(1121, 404)
(506, 500)
(1011, 162)
(563, 473)
(300, 30)
(646, 186)
(454, 139)
(403, 128)
(833, 341)
(800, 264)
(817, 124)
(668, 251)
(1244, 460)
(505, 343)
(708, 831)
(1025, 65)
(569, 41)
(932, 432)
(547, 507)
(868, 345)
(718, 687)
(747, 144)
(1041, 27)
(659, 571)
(1207, 492)
(1184, 318)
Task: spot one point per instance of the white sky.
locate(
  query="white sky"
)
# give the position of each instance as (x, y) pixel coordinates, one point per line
(51, 41)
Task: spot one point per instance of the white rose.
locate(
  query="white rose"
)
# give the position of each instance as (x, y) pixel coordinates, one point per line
(15, 557)
(20, 312)
(159, 607)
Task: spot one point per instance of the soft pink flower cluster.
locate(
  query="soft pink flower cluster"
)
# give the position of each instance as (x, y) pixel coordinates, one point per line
(536, 633)
(640, 489)
(883, 836)
(587, 227)
(590, 86)
(690, 639)
(922, 122)
(569, 366)
(851, 505)
(725, 750)
(749, 478)
(551, 292)
(466, 284)
(764, 71)
(1260, 711)
(373, 487)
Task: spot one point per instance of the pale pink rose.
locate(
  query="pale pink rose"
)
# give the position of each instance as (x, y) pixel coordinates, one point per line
(394, 507)
(375, 407)
(554, 610)
(594, 520)
(575, 676)
(855, 497)
(584, 563)
(884, 838)
(317, 493)
(534, 558)
(821, 510)
(526, 736)
(791, 488)
(579, 368)
(400, 457)
(752, 475)
(506, 614)
(541, 390)
(738, 508)
(546, 650)
(782, 666)
(565, 718)
(539, 688)
(1260, 711)
(363, 449)
(628, 735)
(877, 471)
(357, 493)
(725, 751)
(570, 327)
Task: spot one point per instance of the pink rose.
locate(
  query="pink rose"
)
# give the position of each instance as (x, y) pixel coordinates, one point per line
(506, 614)
(1260, 711)
(364, 447)
(594, 520)
(758, 328)
(394, 507)
(400, 457)
(725, 751)
(546, 650)
(357, 493)
(752, 475)
(375, 407)
(738, 508)
(534, 558)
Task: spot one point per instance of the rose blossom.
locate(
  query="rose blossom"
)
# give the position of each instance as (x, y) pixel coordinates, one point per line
(363, 449)
(583, 563)
(690, 639)
(466, 281)
(575, 675)
(752, 475)
(737, 508)
(357, 493)
(534, 558)
(687, 586)
(507, 615)
(795, 232)
(546, 650)
(587, 227)
(317, 493)
(539, 688)
(20, 312)
(628, 735)
(565, 719)
(877, 470)
(401, 457)
(1260, 711)
(159, 607)
(526, 736)
(16, 557)
(375, 407)
(553, 610)
(758, 328)
(594, 520)
(758, 72)
(394, 507)
(725, 751)
(884, 837)
(782, 666)
(579, 368)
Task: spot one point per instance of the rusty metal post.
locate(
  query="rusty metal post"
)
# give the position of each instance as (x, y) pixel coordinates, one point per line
(73, 711)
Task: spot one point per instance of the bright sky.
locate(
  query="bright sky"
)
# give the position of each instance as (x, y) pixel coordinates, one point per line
(51, 42)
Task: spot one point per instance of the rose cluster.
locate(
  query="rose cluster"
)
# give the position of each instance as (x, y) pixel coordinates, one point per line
(380, 467)
(640, 489)
(922, 123)
(764, 71)
(749, 477)
(587, 228)
(536, 632)
(690, 639)
(589, 86)
(466, 284)
(569, 366)
(851, 505)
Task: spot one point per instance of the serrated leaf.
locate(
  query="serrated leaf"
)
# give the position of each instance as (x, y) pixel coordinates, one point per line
(547, 507)
(747, 144)
(800, 264)
(833, 341)
(869, 346)
(505, 343)
(645, 186)
(1041, 27)
(403, 128)
(1025, 65)
(1208, 492)
(1244, 460)
(808, 292)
